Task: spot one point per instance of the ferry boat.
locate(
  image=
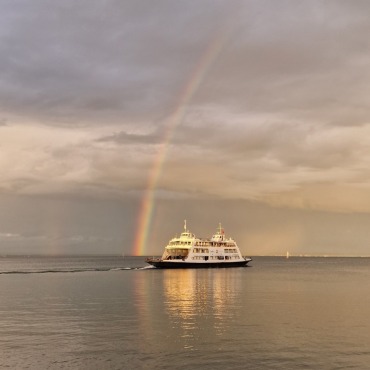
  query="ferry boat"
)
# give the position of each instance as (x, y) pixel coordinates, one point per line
(187, 251)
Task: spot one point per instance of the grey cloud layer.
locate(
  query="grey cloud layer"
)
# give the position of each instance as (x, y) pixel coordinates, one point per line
(283, 106)
(119, 60)
(274, 140)
(122, 57)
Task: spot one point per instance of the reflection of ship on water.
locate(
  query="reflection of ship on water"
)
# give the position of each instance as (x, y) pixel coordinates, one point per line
(200, 298)
(187, 251)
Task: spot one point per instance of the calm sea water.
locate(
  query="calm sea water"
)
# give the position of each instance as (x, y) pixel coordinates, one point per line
(111, 313)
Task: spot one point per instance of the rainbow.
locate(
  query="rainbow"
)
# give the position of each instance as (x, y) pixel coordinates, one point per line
(145, 214)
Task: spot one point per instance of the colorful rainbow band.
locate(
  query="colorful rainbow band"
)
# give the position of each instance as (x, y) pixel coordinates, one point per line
(147, 204)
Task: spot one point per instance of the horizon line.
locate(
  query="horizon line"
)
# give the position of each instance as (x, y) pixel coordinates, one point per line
(150, 255)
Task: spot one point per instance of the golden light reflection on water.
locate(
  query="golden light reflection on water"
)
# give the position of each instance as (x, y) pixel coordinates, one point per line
(201, 301)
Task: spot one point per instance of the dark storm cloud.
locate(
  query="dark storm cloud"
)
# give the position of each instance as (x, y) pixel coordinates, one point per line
(309, 61)
(110, 61)
(125, 62)
(77, 58)
(126, 138)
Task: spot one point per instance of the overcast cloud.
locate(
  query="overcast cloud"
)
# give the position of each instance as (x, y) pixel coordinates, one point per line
(279, 121)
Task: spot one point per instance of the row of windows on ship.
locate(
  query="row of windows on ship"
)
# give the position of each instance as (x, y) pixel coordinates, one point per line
(206, 258)
(206, 250)
(202, 244)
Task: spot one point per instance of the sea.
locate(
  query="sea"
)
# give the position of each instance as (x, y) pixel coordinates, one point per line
(114, 312)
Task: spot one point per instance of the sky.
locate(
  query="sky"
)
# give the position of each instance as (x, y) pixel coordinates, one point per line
(120, 119)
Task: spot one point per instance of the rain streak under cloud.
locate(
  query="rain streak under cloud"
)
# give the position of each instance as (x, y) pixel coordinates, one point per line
(276, 129)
